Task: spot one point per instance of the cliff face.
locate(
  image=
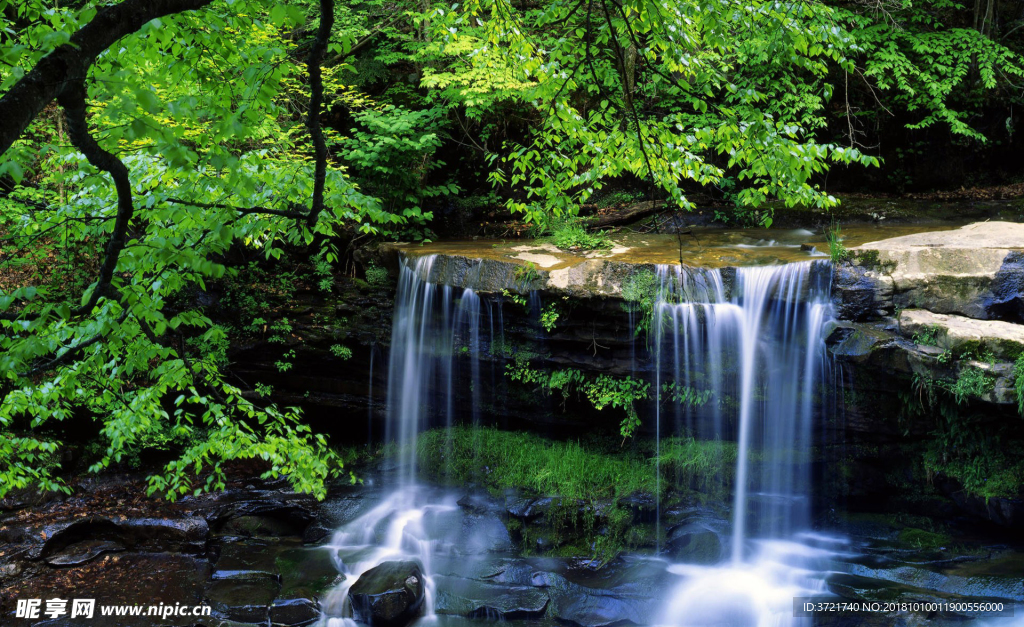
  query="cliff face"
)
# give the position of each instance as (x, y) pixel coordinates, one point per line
(927, 332)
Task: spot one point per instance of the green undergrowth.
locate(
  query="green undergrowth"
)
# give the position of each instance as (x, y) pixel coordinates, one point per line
(499, 460)
(572, 234)
(586, 479)
(983, 455)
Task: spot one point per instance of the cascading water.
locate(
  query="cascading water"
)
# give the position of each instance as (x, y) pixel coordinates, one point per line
(760, 353)
(431, 323)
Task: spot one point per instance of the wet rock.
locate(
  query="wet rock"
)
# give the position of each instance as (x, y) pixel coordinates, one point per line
(597, 607)
(269, 512)
(859, 296)
(485, 533)
(82, 552)
(336, 512)
(527, 508)
(642, 504)
(294, 612)
(388, 595)
(245, 602)
(261, 526)
(478, 599)
(307, 571)
(1003, 511)
(694, 543)
(481, 503)
(176, 535)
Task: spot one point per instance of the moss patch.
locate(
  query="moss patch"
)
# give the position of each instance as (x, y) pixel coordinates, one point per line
(921, 539)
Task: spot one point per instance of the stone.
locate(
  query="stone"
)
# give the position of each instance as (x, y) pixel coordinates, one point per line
(245, 602)
(529, 508)
(294, 612)
(975, 271)
(82, 552)
(600, 607)
(643, 506)
(478, 599)
(307, 571)
(694, 543)
(388, 595)
(176, 535)
(1004, 340)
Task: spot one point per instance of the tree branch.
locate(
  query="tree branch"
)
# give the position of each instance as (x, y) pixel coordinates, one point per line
(284, 213)
(316, 101)
(69, 63)
(72, 98)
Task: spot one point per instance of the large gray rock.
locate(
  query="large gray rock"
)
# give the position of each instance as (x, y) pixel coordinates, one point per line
(479, 599)
(1003, 340)
(388, 595)
(66, 538)
(694, 543)
(975, 271)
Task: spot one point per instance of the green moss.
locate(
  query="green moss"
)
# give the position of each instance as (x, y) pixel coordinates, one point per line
(871, 260)
(921, 539)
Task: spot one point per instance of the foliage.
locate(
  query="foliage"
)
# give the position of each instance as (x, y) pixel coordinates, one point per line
(602, 391)
(981, 456)
(937, 72)
(572, 234)
(685, 395)
(837, 252)
(929, 335)
(376, 276)
(640, 291)
(217, 158)
(341, 352)
(663, 111)
(549, 316)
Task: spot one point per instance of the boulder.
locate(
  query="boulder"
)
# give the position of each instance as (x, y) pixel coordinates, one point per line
(242, 601)
(975, 271)
(694, 543)
(388, 595)
(479, 599)
(1002, 340)
(294, 612)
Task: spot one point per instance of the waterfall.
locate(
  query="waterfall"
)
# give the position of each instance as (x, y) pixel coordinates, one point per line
(757, 349)
(432, 325)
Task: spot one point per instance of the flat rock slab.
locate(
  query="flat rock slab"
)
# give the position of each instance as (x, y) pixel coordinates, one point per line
(1001, 235)
(479, 599)
(1005, 340)
(975, 271)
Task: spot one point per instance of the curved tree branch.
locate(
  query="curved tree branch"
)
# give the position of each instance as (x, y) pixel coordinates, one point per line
(72, 98)
(70, 62)
(316, 101)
